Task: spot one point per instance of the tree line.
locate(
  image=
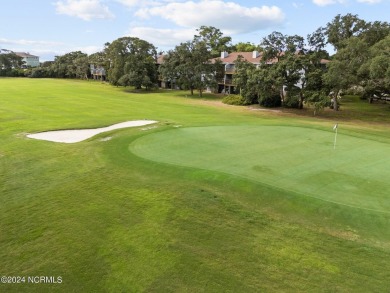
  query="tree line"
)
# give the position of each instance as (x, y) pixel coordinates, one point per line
(10, 64)
(294, 70)
(359, 66)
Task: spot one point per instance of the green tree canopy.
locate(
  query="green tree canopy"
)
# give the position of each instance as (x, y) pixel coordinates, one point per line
(10, 60)
(287, 53)
(132, 62)
(190, 65)
(70, 65)
(341, 28)
(246, 47)
(374, 74)
(362, 58)
(214, 39)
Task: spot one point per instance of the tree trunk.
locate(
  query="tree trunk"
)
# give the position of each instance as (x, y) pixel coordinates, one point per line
(301, 97)
(192, 90)
(282, 96)
(335, 104)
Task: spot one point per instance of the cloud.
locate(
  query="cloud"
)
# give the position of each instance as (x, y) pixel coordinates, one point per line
(370, 1)
(142, 3)
(229, 17)
(328, 2)
(163, 37)
(44, 49)
(49, 54)
(23, 42)
(129, 3)
(84, 9)
(297, 5)
(86, 49)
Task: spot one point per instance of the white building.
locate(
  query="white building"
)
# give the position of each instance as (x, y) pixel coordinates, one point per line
(30, 60)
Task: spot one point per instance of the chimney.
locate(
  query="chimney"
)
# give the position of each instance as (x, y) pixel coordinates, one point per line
(224, 54)
(255, 54)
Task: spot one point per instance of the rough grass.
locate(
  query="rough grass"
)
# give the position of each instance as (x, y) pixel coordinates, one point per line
(107, 220)
(352, 108)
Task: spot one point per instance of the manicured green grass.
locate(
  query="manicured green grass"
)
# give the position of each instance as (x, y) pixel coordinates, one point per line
(129, 215)
(301, 160)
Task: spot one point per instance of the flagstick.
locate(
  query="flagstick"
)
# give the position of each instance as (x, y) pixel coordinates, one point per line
(335, 138)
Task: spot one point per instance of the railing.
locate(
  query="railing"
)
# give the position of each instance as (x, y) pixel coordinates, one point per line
(225, 81)
(230, 70)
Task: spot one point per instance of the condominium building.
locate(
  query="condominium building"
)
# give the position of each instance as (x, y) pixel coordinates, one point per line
(29, 60)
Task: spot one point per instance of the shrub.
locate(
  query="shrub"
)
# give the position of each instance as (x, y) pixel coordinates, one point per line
(236, 100)
(12, 72)
(37, 73)
(270, 101)
(318, 100)
(250, 96)
(291, 102)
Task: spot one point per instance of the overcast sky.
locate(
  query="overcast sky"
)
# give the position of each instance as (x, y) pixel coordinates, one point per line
(50, 27)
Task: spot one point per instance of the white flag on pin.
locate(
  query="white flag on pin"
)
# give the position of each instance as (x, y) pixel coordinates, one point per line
(335, 134)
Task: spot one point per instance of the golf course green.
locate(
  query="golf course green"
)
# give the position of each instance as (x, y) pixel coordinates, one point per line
(210, 198)
(295, 159)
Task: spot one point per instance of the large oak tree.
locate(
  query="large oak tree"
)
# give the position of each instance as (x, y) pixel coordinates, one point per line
(132, 62)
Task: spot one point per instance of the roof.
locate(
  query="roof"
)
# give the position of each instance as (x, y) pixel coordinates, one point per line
(324, 61)
(160, 59)
(252, 57)
(232, 57)
(24, 55)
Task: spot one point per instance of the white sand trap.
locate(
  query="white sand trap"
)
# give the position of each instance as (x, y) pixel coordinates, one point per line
(72, 136)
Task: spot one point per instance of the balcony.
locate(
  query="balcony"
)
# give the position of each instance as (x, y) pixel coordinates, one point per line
(228, 81)
(230, 70)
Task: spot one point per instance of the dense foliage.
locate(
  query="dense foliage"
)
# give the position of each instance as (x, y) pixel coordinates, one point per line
(362, 58)
(10, 64)
(189, 65)
(299, 70)
(132, 62)
(236, 100)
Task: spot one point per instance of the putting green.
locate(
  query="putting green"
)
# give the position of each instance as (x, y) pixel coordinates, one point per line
(298, 159)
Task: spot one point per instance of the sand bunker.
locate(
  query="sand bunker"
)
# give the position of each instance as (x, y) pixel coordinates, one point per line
(72, 136)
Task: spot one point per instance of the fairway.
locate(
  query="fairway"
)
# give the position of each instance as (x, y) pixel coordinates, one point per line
(296, 159)
(210, 198)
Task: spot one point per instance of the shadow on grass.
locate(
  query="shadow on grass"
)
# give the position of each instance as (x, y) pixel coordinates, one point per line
(177, 93)
(352, 108)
